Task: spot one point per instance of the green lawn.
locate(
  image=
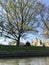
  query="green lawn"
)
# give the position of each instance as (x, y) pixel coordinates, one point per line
(8, 48)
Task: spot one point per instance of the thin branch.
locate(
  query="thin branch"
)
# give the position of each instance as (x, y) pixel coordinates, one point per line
(9, 37)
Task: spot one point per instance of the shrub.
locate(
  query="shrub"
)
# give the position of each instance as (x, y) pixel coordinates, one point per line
(27, 44)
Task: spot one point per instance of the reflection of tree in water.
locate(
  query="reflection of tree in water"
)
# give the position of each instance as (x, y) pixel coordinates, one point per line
(34, 61)
(9, 62)
(25, 61)
(47, 61)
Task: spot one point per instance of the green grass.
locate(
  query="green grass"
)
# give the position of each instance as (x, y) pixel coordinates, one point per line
(5, 48)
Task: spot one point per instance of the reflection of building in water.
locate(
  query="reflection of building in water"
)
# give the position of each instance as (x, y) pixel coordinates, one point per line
(36, 42)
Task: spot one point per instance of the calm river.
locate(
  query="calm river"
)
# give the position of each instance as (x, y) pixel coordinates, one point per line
(25, 61)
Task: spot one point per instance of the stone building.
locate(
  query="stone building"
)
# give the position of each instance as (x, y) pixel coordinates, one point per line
(46, 44)
(14, 43)
(36, 42)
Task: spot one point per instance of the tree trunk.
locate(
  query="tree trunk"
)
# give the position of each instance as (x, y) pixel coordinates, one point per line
(18, 41)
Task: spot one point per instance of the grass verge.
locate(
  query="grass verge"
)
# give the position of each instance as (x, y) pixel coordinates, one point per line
(8, 48)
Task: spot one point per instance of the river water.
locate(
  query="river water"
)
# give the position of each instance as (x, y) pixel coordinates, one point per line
(26, 61)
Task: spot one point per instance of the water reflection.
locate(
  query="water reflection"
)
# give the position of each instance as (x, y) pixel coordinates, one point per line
(25, 61)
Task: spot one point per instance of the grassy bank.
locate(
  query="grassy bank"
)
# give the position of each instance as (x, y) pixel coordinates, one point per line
(23, 51)
(5, 48)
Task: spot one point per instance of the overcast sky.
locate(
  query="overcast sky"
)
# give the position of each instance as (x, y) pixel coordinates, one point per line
(30, 36)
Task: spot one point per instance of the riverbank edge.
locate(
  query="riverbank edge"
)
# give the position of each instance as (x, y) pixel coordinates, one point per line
(23, 54)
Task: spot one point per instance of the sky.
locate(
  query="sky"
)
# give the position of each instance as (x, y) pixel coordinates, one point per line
(30, 36)
(45, 1)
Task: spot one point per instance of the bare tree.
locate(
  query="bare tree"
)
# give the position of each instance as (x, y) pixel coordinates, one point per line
(46, 31)
(21, 18)
(45, 19)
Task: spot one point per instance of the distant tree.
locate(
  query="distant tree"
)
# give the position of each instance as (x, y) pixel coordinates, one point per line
(28, 44)
(21, 18)
(41, 42)
(43, 45)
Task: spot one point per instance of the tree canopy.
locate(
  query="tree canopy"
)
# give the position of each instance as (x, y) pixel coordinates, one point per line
(20, 18)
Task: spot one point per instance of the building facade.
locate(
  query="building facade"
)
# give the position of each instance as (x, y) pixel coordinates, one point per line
(36, 42)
